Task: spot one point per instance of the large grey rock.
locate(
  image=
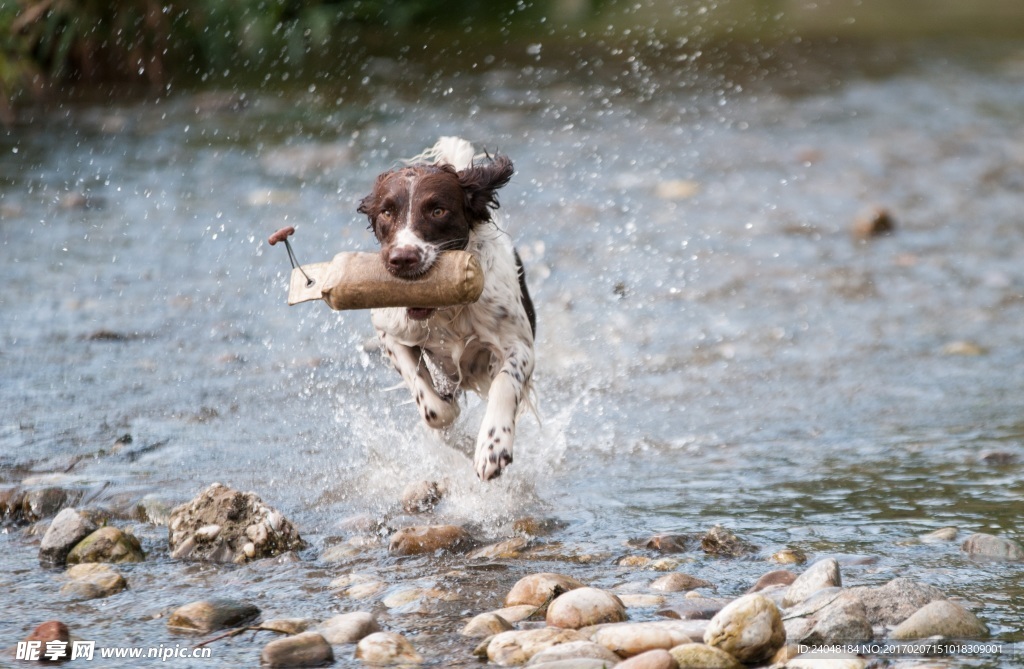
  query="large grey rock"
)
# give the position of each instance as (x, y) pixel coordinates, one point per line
(224, 525)
(843, 620)
(941, 618)
(991, 546)
(892, 603)
(68, 528)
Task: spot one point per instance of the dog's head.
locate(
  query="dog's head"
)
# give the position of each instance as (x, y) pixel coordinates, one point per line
(418, 211)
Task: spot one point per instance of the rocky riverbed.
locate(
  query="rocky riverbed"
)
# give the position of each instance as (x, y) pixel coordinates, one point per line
(793, 614)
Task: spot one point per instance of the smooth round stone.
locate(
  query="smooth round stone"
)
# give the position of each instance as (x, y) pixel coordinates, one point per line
(635, 601)
(107, 544)
(583, 607)
(894, 602)
(307, 649)
(502, 550)
(387, 648)
(652, 659)
(776, 577)
(940, 535)
(422, 539)
(629, 639)
(209, 615)
(485, 625)
(68, 528)
(790, 556)
(991, 546)
(677, 582)
(518, 646)
(941, 618)
(574, 650)
(749, 628)
(821, 574)
(516, 614)
(92, 581)
(574, 663)
(288, 625)
(348, 627)
(51, 630)
(537, 589)
(701, 656)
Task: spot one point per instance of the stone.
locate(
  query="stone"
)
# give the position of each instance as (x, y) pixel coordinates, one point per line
(224, 525)
(991, 546)
(348, 627)
(421, 496)
(39, 503)
(92, 581)
(307, 649)
(894, 602)
(695, 608)
(843, 620)
(826, 662)
(107, 544)
(502, 550)
(941, 618)
(652, 659)
(210, 615)
(940, 535)
(421, 539)
(288, 625)
(677, 582)
(701, 656)
(538, 589)
(637, 601)
(518, 646)
(875, 222)
(573, 650)
(789, 556)
(573, 663)
(519, 612)
(720, 541)
(387, 648)
(672, 543)
(68, 528)
(485, 625)
(821, 574)
(51, 630)
(776, 577)
(582, 607)
(749, 628)
(629, 639)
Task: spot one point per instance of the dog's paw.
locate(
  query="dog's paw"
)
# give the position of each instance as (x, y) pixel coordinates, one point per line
(438, 413)
(491, 458)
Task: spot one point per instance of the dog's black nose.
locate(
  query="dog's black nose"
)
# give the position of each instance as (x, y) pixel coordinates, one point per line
(404, 260)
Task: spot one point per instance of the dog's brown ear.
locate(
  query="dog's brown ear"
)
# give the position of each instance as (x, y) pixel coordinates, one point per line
(480, 183)
(369, 205)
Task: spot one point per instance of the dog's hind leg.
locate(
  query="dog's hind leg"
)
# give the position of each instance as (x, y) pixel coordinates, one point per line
(437, 412)
(498, 430)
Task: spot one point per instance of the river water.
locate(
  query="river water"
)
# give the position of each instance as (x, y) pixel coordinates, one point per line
(714, 345)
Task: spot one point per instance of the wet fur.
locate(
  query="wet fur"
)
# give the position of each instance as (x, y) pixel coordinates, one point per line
(416, 212)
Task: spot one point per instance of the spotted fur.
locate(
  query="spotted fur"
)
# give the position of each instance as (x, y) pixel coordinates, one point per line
(446, 200)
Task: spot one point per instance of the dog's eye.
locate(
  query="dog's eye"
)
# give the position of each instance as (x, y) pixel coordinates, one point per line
(386, 214)
(438, 212)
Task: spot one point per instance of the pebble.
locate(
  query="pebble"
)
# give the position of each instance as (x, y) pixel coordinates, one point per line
(701, 656)
(941, 618)
(894, 602)
(348, 627)
(583, 607)
(485, 625)
(68, 528)
(224, 525)
(677, 582)
(652, 659)
(776, 577)
(634, 601)
(825, 662)
(722, 542)
(421, 539)
(749, 628)
(875, 222)
(991, 546)
(939, 535)
(695, 608)
(51, 630)
(573, 650)
(502, 550)
(790, 556)
(537, 589)
(210, 615)
(307, 649)
(387, 648)
(573, 663)
(288, 625)
(672, 543)
(92, 581)
(821, 574)
(518, 646)
(629, 639)
(517, 613)
(107, 544)
(421, 496)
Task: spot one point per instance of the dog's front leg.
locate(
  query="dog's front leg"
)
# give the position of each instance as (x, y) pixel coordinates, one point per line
(498, 431)
(437, 412)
